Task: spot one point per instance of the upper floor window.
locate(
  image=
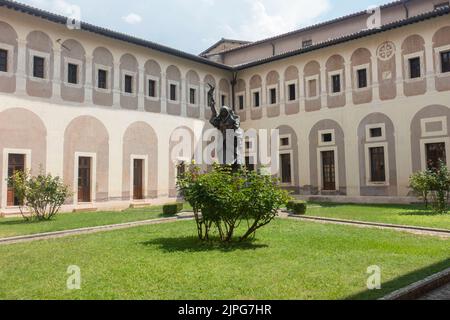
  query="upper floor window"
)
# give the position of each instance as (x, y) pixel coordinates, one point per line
(336, 83)
(38, 67)
(362, 78)
(152, 88)
(292, 92)
(414, 68)
(256, 99)
(445, 61)
(128, 84)
(307, 43)
(192, 96)
(102, 82)
(3, 60)
(72, 73)
(173, 92)
(273, 95)
(312, 87)
(241, 102)
(223, 99)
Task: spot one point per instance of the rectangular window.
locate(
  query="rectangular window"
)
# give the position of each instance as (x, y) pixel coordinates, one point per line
(327, 137)
(285, 164)
(273, 96)
(38, 67)
(445, 62)
(223, 99)
(362, 78)
(312, 88)
(435, 153)
(16, 163)
(307, 43)
(256, 102)
(377, 165)
(241, 102)
(192, 96)
(376, 132)
(284, 142)
(128, 84)
(72, 73)
(173, 92)
(336, 83)
(152, 88)
(292, 91)
(3, 60)
(414, 68)
(102, 79)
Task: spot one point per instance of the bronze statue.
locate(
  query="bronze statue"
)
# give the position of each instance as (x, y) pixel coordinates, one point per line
(225, 120)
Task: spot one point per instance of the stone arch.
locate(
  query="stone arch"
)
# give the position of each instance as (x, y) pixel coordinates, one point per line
(315, 149)
(129, 65)
(430, 123)
(441, 39)
(88, 135)
(334, 64)
(181, 149)
(8, 36)
(141, 140)
(40, 43)
(367, 188)
(411, 45)
(361, 58)
(311, 73)
(24, 130)
(102, 58)
(73, 51)
(174, 77)
(153, 72)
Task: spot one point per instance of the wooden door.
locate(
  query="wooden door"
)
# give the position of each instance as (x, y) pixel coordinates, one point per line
(16, 162)
(328, 171)
(138, 179)
(84, 179)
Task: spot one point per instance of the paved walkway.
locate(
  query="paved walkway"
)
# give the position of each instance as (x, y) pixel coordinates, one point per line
(442, 293)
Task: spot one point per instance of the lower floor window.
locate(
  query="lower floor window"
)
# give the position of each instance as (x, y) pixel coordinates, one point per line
(435, 154)
(377, 164)
(285, 164)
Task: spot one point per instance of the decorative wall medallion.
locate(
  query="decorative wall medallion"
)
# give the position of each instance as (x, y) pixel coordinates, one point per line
(386, 51)
(387, 75)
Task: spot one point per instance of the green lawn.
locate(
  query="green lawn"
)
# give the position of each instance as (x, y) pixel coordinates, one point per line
(412, 215)
(289, 260)
(10, 227)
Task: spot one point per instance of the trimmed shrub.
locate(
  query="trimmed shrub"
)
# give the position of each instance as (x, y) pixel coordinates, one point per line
(297, 207)
(172, 209)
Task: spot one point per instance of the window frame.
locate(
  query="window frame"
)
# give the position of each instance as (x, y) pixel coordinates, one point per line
(239, 95)
(308, 87)
(368, 163)
(442, 120)
(6, 152)
(93, 157)
(108, 69)
(356, 70)
(369, 127)
(149, 78)
(177, 91)
(331, 75)
(407, 66)
(46, 56)
(322, 143)
(133, 75)
(438, 59)
(280, 175)
(79, 64)
(258, 91)
(288, 92)
(9, 60)
(196, 95)
(269, 95)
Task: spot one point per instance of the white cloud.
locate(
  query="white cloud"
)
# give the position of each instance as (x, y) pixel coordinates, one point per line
(132, 18)
(59, 6)
(267, 18)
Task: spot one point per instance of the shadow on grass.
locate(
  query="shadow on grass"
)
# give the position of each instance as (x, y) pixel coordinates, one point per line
(401, 282)
(19, 222)
(423, 212)
(193, 244)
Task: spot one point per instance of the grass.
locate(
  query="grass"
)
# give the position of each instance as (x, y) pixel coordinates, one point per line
(413, 215)
(10, 227)
(289, 260)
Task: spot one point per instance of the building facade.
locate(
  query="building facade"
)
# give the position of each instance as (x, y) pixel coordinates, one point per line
(358, 110)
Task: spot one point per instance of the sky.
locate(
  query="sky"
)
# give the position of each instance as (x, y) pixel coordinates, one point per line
(194, 25)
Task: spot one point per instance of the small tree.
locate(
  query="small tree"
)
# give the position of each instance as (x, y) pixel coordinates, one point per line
(41, 196)
(227, 197)
(420, 184)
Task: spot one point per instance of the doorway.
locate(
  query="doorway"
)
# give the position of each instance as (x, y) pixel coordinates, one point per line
(328, 171)
(84, 179)
(16, 163)
(138, 179)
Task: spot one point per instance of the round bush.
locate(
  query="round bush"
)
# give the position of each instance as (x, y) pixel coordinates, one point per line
(297, 207)
(172, 209)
